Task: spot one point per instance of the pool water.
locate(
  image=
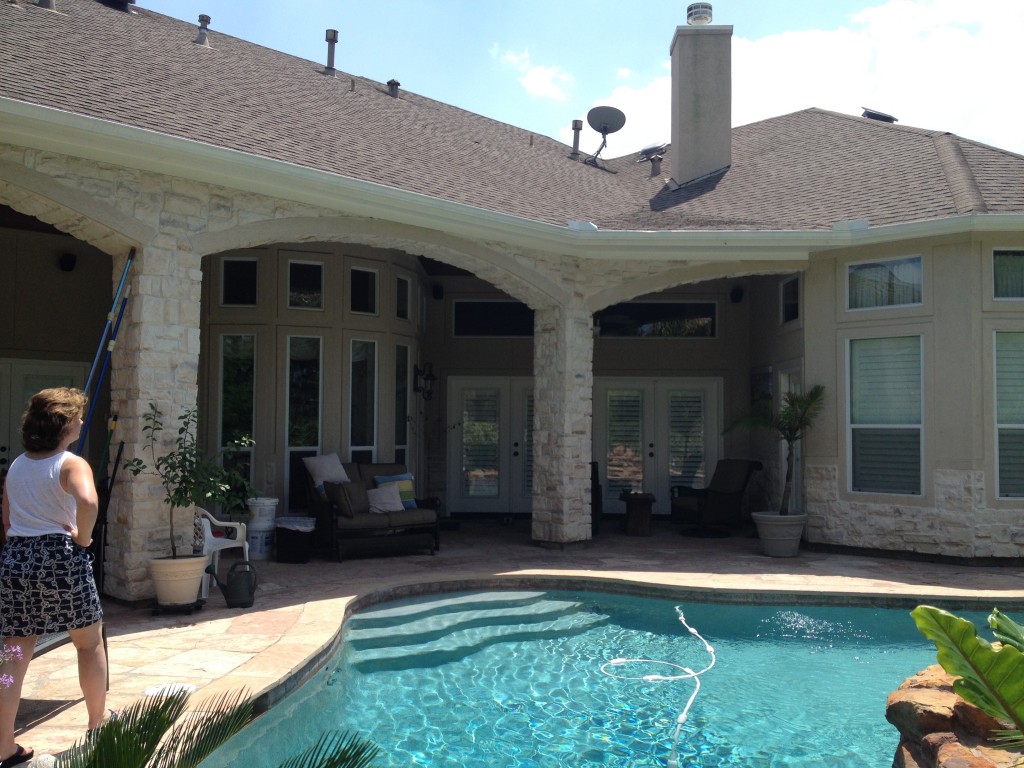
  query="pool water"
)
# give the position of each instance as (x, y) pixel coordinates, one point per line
(502, 679)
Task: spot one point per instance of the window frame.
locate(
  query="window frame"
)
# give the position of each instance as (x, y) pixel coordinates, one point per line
(851, 266)
(919, 426)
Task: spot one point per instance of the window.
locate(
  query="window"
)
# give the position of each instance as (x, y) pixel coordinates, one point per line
(363, 291)
(658, 319)
(238, 396)
(238, 282)
(789, 300)
(402, 294)
(303, 396)
(885, 414)
(305, 285)
(401, 403)
(492, 318)
(1009, 361)
(363, 402)
(892, 283)
(1008, 274)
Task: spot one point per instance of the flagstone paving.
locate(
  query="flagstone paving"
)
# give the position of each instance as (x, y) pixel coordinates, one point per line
(299, 609)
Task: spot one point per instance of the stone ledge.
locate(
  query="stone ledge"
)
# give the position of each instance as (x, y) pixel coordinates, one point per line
(938, 729)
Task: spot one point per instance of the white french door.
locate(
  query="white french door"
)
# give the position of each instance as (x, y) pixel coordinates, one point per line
(19, 380)
(651, 434)
(490, 446)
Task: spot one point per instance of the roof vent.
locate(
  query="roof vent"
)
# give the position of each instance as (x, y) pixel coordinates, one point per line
(204, 22)
(50, 5)
(698, 14)
(577, 126)
(393, 88)
(332, 40)
(653, 154)
(874, 114)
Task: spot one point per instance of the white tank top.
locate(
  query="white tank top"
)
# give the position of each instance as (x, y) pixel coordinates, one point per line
(38, 503)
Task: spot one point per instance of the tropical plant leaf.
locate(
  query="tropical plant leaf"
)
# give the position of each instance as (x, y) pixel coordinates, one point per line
(988, 678)
(1006, 630)
(335, 750)
(200, 732)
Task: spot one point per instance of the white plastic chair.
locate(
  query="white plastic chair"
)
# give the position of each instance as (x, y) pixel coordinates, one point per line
(212, 545)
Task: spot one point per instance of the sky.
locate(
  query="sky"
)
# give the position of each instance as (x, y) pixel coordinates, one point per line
(950, 65)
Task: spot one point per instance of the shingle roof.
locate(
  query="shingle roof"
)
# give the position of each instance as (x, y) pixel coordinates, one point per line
(802, 171)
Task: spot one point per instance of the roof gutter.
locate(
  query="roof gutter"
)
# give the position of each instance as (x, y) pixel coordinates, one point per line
(53, 130)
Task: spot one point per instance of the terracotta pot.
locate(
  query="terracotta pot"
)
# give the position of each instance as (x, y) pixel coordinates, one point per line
(780, 534)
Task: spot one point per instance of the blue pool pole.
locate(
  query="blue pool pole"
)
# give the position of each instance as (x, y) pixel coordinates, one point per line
(110, 319)
(103, 374)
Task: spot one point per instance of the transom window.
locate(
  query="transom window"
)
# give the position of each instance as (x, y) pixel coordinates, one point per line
(1008, 273)
(885, 415)
(305, 285)
(658, 319)
(238, 282)
(363, 291)
(890, 283)
(1009, 362)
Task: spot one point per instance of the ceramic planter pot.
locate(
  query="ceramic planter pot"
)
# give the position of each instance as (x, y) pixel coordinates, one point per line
(177, 580)
(780, 534)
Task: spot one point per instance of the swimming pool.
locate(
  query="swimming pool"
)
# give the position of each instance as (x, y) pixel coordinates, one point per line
(521, 679)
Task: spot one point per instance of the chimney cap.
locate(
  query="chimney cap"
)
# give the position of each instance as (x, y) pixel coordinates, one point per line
(698, 14)
(331, 36)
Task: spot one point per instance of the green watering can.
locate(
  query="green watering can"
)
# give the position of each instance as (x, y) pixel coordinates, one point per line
(240, 589)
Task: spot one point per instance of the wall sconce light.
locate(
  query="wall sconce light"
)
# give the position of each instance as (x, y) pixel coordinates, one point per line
(423, 380)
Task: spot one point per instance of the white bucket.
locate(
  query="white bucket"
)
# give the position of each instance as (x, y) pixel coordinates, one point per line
(262, 512)
(260, 543)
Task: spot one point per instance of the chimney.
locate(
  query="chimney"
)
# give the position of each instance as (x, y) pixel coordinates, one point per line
(701, 96)
(204, 22)
(332, 39)
(393, 88)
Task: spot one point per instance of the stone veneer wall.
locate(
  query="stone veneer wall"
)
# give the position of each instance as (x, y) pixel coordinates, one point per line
(958, 524)
(938, 729)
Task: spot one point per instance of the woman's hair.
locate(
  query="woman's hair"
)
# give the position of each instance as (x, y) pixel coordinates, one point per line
(50, 414)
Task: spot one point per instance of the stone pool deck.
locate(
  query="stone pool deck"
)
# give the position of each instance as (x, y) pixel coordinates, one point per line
(271, 647)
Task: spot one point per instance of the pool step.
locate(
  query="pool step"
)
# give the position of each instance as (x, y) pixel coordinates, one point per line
(452, 627)
(433, 626)
(415, 652)
(401, 614)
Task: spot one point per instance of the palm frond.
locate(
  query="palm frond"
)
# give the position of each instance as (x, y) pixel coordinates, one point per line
(335, 750)
(200, 732)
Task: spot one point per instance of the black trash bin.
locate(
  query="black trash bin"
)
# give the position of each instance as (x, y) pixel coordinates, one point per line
(294, 538)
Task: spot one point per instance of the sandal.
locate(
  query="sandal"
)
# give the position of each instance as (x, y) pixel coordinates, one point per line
(20, 756)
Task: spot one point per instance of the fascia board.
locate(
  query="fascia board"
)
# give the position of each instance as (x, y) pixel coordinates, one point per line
(48, 129)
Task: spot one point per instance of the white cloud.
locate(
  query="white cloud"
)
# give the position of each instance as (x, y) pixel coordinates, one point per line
(543, 82)
(937, 64)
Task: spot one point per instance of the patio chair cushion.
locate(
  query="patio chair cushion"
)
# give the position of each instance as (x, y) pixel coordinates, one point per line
(350, 498)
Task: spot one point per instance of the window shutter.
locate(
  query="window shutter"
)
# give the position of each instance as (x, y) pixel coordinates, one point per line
(625, 437)
(480, 410)
(1010, 412)
(885, 414)
(686, 438)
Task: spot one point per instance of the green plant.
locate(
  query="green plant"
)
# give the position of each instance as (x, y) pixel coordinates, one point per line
(156, 732)
(991, 678)
(188, 476)
(790, 422)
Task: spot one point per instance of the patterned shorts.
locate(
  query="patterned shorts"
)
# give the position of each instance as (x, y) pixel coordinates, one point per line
(46, 586)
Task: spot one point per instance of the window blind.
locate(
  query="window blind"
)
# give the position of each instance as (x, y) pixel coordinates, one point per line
(1010, 412)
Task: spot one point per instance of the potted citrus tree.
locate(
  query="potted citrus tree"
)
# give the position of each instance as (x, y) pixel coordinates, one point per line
(189, 478)
(778, 530)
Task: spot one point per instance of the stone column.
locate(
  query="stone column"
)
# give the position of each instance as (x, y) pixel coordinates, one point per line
(562, 423)
(155, 360)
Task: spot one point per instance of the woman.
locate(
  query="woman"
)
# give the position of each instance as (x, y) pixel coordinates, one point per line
(46, 583)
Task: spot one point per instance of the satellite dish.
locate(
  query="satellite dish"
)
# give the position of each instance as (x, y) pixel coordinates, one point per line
(604, 120)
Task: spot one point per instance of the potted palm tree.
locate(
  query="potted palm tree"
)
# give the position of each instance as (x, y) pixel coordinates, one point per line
(190, 479)
(779, 531)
